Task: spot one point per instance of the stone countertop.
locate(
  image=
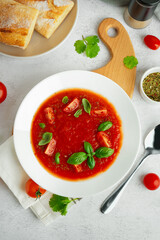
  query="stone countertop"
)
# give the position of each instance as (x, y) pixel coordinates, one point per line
(137, 214)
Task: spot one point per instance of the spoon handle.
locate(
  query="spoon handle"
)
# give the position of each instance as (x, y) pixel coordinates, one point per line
(113, 198)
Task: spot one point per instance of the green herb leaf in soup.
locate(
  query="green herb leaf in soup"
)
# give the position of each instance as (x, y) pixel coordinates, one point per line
(88, 147)
(77, 158)
(91, 162)
(104, 152)
(42, 125)
(57, 160)
(46, 138)
(86, 105)
(65, 100)
(105, 126)
(78, 113)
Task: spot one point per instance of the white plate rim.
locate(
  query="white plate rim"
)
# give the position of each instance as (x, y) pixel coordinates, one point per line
(70, 192)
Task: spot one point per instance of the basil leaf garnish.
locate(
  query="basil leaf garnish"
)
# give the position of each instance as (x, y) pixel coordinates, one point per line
(42, 125)
(78, 113)
(65, 100)
(88, 147)
(57, 160)
(91, 162)
(77, 158)
(104, 152)
(86, 105)
(46, 138)
(105, 126)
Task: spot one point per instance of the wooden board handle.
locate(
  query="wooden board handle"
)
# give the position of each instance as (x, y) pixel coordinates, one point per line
(120, 46)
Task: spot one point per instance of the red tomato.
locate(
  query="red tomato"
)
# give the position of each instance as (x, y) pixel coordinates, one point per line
(78, 168)
(103, 139)
(99, 113)
(72, 106)
(152, 42)
(33, 189)
(49, 114)
(51, 147)
(3, 92)
(151, 181)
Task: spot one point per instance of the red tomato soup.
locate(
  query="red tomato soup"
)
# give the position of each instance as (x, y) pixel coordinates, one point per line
(70, 121)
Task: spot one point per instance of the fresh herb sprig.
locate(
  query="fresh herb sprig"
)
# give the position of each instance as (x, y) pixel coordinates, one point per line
(88, 148)
(46, 138)
(65, 99)
(78, 113)
(86, 105)
(79, 157)
(91, 162)
(57, 159)
(89, 45)
(130, 62)
(42, 125)
(105, 126)
(60, 204)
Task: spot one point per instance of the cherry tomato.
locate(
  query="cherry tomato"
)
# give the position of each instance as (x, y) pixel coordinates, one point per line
(152, 42)
(78, 168)
(33, 189)
(99, 113)
(51, 147)
(49, 114)
(72, 106)
(151, 181)
(3, 92)
(103, 139)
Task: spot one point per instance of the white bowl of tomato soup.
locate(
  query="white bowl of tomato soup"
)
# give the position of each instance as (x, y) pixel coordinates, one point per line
(68, 130)
(72, 134)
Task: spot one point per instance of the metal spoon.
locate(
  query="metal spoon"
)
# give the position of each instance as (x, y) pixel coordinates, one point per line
(152, 146)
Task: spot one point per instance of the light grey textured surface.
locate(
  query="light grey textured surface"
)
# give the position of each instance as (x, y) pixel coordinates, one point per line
(157, 11)
(137, 214)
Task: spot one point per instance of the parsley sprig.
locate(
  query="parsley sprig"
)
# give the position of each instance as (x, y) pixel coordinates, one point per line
(60, 204)
(89, 45)
(130, 62)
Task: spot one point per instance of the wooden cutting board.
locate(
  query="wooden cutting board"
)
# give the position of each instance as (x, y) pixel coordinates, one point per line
(119, 46)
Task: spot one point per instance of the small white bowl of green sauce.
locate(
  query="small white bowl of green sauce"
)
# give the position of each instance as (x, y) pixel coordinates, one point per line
(150, 86)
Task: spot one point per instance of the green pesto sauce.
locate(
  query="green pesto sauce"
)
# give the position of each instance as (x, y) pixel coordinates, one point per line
(151, 86)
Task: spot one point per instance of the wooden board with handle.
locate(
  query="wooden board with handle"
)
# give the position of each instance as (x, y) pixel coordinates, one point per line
(120, 46)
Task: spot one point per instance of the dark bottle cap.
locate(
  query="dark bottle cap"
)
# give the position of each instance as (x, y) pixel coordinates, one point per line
(142, 10)
(150, 2)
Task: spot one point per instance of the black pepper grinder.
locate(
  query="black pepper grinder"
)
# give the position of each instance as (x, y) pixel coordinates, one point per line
(139, 13)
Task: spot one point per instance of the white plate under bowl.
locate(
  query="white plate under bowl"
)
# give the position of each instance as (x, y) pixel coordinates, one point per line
(39, 45)
(100, 85)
